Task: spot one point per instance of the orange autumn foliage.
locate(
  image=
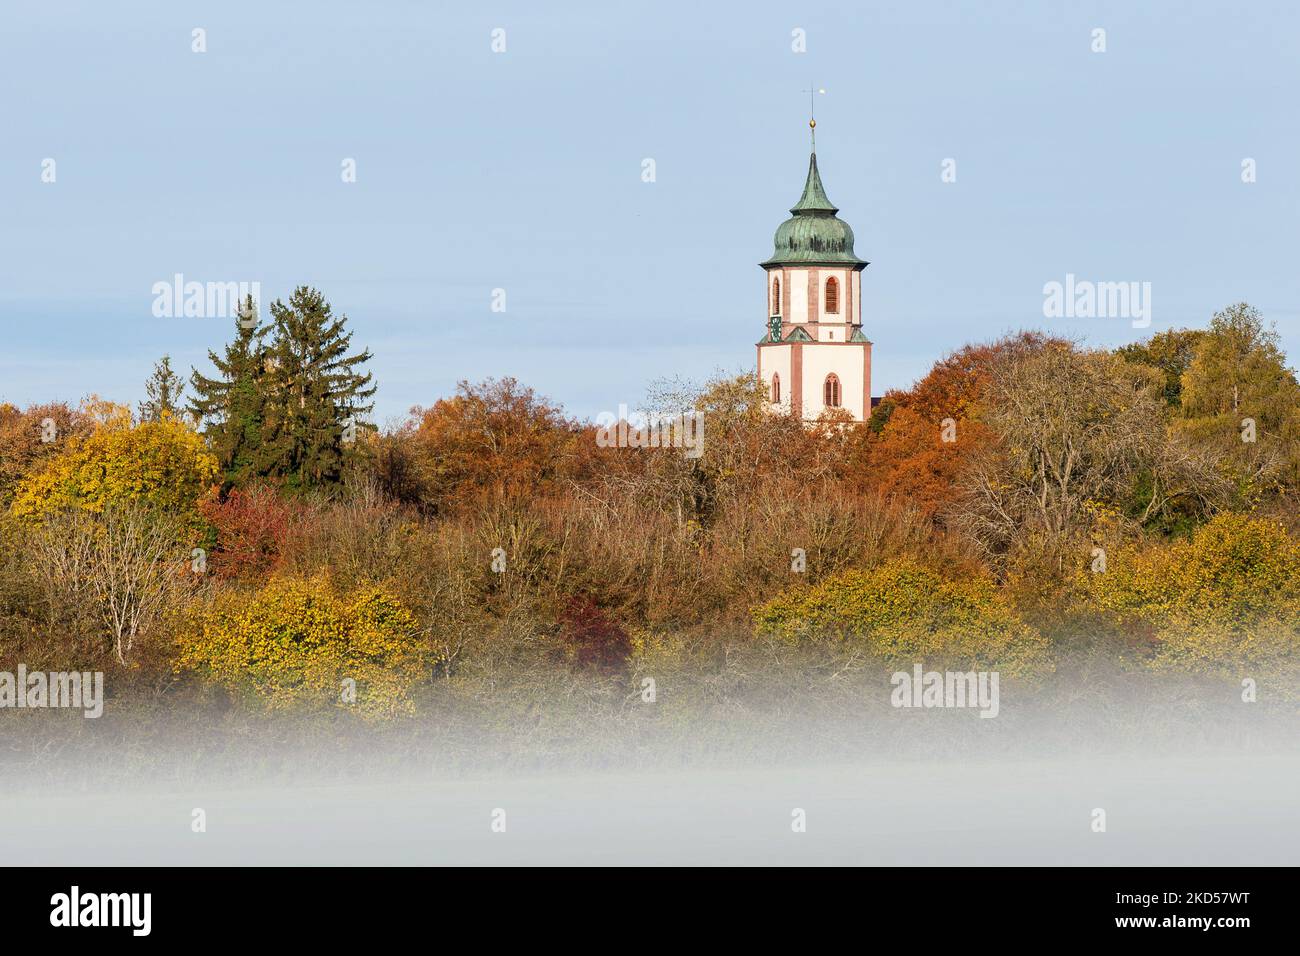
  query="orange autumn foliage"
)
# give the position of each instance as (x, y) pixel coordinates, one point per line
(903, 452)
(492, 440)
(910, 460)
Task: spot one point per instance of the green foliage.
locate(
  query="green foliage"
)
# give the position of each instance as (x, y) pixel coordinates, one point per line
(1239, 368)
(288, 409)
(1171, 352)
(232, 406)
(165, 390)
(1240, 373)
(906, 613)
(881, 414)
(313, 392)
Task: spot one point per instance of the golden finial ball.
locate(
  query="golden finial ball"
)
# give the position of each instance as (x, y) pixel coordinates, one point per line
(812, 123)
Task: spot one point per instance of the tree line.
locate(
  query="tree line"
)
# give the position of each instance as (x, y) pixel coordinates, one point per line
(1021, 494)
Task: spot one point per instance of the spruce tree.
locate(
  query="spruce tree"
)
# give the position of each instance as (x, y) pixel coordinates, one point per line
(232, 406)
(315, 392)
(165, 390)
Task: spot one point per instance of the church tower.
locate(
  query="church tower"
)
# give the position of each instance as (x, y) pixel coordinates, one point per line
(815, 356)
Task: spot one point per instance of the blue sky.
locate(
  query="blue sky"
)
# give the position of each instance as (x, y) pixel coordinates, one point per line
(522, 170)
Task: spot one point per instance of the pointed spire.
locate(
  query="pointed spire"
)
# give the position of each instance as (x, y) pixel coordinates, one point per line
(814, 194)
(813, 233)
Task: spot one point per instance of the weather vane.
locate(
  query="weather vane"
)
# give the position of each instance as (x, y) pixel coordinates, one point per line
(812, 92)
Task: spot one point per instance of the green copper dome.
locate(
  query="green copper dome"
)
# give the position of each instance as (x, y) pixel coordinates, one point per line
(813, 234)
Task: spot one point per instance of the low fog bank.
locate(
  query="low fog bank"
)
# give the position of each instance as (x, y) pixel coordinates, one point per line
(1185, 774)
(765, 724)
(1185, 810)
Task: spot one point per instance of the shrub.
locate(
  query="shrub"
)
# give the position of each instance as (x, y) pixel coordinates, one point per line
(906, 613)
(1225, 599)
(252, 527)
(295, 641)
(592, 639)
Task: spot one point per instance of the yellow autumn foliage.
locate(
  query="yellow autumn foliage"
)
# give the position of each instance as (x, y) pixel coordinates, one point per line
(164, 464)
(297, 641)
(1224, 601)
(906, 613)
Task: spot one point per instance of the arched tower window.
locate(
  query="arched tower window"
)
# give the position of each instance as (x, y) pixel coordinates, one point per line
(832, 296)
(776, 297)
(775, 397)
(831, 391)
